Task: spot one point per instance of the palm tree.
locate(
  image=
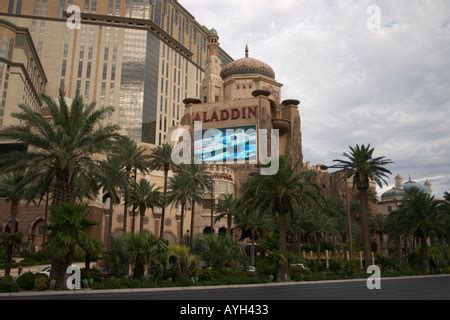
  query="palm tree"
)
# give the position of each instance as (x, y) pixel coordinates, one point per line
(281, 194)
(91, 248)
(200, 181)
(185, 260)
(319, 224)
(227, 208)
(419, 215)
(62, 148)
(378, 226)
(111, 177)
(255, 221)
(68, 232)
(217, 252)
(145, 196)
(9, 242)
(161, 159)
(179, 194)
(364, 168)
(133, 159)
(13, 188)
(143, 249)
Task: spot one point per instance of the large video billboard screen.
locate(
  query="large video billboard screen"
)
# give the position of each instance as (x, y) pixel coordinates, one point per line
(227, 144)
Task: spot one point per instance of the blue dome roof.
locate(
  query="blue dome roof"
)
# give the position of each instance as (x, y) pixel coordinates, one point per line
(394, 192)
(408, 186)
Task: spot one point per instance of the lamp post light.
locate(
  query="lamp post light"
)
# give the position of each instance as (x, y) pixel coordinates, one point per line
(349, 218)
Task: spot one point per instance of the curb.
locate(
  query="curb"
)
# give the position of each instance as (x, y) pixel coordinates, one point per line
(175, 289)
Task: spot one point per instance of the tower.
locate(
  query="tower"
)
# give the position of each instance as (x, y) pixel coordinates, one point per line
(429, 186)
(212, 85)
(399, 181)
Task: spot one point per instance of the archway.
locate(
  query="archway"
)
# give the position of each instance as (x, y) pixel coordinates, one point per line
(8, 226)
(36, 233)
(223, 231)
(208, 230)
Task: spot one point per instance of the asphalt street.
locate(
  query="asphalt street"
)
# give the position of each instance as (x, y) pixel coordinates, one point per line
(430, 288)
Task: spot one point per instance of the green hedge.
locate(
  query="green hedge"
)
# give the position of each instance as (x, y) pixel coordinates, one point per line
(7, 285)
(26, 281)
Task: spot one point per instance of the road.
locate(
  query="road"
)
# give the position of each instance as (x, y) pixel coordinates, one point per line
(426, 288)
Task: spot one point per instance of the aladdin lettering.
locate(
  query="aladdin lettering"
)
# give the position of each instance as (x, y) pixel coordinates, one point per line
(225, 115)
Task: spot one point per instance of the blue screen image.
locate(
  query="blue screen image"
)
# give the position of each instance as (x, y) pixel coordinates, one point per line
(240, 145)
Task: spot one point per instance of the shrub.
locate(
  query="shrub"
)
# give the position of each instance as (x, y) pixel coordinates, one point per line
(387, 263)
(41, 283)
(299, 274)
(218, 252)
(345, 268)
(316, 266)
(8, 285)
(26, 281)
(438, 258)
(93, 274)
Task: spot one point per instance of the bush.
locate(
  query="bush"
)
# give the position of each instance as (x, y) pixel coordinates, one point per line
(26, 281)
(345, 268)
(387, 263)
(438, 258)
(299, 274)
(316, 266)
(41, 283)
(93, 274)
(8, 285)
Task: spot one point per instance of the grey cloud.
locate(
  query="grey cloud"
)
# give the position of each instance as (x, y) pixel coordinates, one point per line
(389, 87)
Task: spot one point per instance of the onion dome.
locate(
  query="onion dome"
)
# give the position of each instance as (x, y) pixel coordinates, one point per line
(246, 66)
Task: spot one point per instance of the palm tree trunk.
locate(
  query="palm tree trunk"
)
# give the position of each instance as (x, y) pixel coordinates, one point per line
(229, 222)
(381, 244)
(163, 211)
(8, 262)
(14, 210)
(110, 223)
(59, 269)
(12, 230)
(424, 253)
(283, 264)
(252, 253)
(133, 227)
(365, 227)
(125, 209)
(182, 224)
(44, 238)
(141, 221)
(87, 261)
(191, 234)
(318, 249)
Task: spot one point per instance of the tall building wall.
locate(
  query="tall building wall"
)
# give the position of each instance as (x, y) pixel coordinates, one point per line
(142, 57)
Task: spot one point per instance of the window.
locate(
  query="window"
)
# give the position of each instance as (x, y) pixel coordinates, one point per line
(11, 6)
(19, 7)
(389, 208)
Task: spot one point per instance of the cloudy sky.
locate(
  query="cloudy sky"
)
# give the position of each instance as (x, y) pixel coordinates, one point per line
(389, 86)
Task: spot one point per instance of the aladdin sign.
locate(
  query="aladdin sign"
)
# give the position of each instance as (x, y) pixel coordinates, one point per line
(225, 114)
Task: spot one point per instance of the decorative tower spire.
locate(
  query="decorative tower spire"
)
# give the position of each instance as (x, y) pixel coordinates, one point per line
(246, 50)
(399, 181)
